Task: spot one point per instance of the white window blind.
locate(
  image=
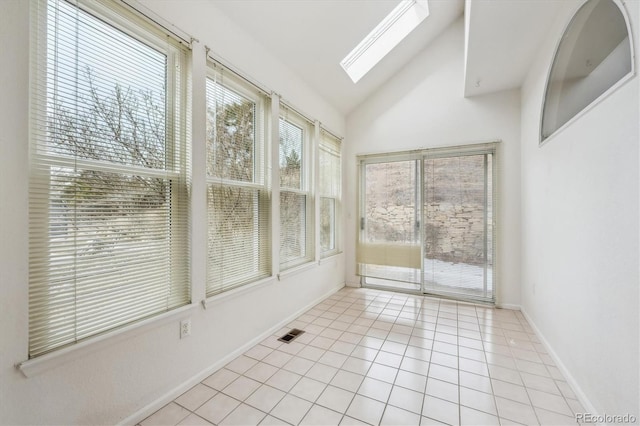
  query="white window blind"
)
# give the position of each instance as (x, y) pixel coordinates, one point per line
(108, 241)
(296, 203)
(329, 188)
(239, 247)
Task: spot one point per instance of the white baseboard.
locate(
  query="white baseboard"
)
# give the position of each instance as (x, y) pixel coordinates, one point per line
(582, 397)
(151, 408)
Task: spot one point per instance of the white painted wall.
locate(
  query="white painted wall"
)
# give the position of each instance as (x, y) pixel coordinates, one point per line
(423, 106)
(114, 380)
(580, 281)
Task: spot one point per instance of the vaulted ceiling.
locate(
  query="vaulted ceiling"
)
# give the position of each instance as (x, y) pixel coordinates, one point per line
(503, 38)
(313, 36)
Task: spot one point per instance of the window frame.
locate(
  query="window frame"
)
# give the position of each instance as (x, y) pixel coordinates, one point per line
(307, 185)
(332, 145)
(260, 179)
(542, 139)
(175, 171)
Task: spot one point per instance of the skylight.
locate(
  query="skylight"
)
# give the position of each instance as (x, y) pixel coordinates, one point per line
(403, 19)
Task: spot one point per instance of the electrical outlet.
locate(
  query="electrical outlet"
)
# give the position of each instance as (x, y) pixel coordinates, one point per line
(185, 328)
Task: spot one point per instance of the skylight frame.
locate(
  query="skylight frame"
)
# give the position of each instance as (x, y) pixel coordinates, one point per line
(397, 25)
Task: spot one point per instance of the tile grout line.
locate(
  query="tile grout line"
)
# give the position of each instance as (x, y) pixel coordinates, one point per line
(435, 328)
(564, 398)
(403, 310)
(365, 376)
(484, 352)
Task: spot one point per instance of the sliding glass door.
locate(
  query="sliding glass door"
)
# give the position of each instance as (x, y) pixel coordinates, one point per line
(427, 222)
(389, 250)
(458, 237)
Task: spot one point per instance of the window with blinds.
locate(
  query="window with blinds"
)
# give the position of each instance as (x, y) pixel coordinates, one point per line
(296, 203)
(108, 212)
(329, 188)
(238, 204)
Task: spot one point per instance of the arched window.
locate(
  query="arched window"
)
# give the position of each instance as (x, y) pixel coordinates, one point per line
(594, 56)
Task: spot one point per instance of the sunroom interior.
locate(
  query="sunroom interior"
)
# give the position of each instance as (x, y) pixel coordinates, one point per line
(182, 181)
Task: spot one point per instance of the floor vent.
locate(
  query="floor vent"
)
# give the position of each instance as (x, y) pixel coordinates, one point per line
(288, 338)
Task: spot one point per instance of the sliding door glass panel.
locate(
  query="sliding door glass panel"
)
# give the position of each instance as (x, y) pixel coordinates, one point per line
(458, 243)
(389, 251)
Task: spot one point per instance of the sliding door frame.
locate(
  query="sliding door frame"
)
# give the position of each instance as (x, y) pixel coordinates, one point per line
(363, 161)
(420, 156)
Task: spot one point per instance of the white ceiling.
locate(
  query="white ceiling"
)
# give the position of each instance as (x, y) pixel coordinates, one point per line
(503, 38)
(313, 36)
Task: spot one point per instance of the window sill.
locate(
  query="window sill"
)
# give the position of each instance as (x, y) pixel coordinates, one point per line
(329, 258)
(230, 294)
(40, 364)
(227, 295)
(610, 91)
(296, 269)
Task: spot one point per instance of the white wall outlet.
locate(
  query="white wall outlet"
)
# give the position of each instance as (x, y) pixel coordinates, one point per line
(185, 328)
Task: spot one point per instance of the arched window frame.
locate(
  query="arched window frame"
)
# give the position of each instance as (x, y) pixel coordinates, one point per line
(613, 88)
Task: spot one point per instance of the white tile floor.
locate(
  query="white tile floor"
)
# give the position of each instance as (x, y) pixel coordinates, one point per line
(374, 357)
